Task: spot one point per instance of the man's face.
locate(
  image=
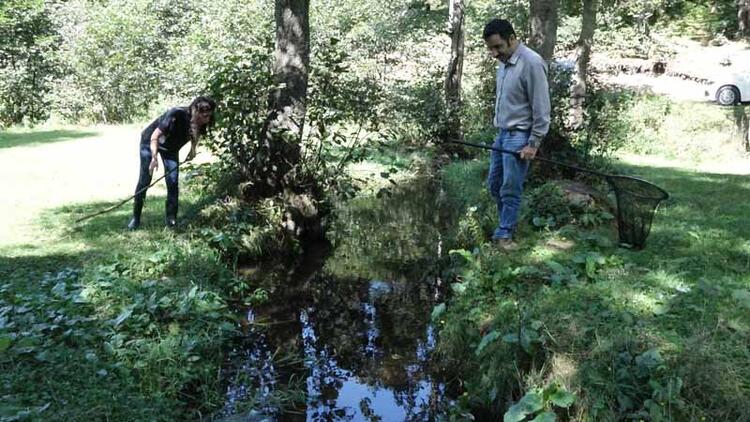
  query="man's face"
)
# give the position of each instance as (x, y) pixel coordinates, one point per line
(499, 48)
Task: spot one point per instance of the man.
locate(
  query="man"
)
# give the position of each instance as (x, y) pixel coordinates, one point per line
(522, 115)
(165, 136)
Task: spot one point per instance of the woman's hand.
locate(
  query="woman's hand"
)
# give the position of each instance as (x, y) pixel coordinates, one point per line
(154, 165)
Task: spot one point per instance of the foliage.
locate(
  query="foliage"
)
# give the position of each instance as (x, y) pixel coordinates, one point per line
(114, 60)
(27, 63)
(548, 206)
(557, 314)
(343, 108)
(112, 327)
(240, 85)
(418, 111)
(243, 231)
(606, 128)
(123, 56)
(539, 400)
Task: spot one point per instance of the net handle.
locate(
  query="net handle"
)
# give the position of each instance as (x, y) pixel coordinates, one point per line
(545, 160)
(608, 177)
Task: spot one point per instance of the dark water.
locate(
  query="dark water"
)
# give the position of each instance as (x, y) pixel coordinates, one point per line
(352, 320)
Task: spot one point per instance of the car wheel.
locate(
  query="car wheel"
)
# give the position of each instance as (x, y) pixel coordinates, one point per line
(728, 95)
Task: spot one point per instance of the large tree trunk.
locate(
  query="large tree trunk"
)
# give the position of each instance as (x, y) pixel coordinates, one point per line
(580, 78)
(457, 31)
(543, 19)
(279, 152)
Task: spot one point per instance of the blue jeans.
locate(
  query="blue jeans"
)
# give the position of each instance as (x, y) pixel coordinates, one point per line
(170, 162)
(505, 181)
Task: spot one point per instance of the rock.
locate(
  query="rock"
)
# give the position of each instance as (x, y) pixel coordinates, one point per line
(719, 40)
(579, 194)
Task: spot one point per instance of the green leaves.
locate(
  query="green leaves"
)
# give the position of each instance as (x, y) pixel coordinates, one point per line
(537, 400)
(742, 297)
(545, 417)
(486, 340)
(648, 361)
(437, 312)
(124, 315)
(5, 342)
(528, 405)
(562, 398)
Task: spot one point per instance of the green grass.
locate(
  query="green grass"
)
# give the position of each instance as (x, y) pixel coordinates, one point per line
(97, 323)
(658, 126)
(29, 137)
(660, 333)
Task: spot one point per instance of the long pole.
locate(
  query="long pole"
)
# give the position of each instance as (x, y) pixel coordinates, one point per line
(125, 201)
(545, 160)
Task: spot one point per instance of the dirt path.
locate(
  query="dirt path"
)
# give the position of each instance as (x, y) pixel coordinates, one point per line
(688, 72)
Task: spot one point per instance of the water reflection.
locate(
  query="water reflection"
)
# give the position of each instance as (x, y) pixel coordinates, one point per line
(383, 377)
(392, 237)
(360, 320)
(255, 379)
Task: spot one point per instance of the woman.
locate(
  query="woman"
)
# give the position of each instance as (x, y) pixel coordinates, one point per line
(165, 136)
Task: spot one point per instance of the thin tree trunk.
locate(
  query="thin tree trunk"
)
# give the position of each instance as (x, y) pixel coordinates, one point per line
(543, 34)
(743, 17)
(580, 78)
(743, 126)
(280, 148)
(457, 31)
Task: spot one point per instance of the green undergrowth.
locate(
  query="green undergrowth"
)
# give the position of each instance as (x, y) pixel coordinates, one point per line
(573, 327)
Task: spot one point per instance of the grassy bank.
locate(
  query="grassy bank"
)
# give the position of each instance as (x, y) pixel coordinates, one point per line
(574, 325)
(97, 323)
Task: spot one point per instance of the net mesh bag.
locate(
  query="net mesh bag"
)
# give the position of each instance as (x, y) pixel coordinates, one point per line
(637, 201)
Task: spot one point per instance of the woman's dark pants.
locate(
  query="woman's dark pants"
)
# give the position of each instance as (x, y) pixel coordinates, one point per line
(170, 162)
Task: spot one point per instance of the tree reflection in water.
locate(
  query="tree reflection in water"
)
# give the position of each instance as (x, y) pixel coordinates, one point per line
(361, 319)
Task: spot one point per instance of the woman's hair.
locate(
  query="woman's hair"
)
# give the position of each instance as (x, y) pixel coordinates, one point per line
(201, 104)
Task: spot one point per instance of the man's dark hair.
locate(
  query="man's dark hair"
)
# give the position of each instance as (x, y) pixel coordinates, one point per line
(500, 27)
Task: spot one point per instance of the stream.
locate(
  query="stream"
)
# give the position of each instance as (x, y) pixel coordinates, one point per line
(350, 322)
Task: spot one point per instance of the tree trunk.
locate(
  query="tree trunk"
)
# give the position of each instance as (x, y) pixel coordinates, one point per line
(580, 78)
(279, 152)
(743, 126)
(743, 17)
(457, 31)
(543, 19)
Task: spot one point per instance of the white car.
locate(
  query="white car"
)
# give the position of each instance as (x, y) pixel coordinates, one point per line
(730, 89)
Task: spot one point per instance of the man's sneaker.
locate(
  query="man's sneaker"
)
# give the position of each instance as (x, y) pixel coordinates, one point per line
(134, 224)
(506, 244)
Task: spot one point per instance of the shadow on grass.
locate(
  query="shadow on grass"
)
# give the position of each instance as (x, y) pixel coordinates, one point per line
(12, 139)
(74, 245)
(109, 228)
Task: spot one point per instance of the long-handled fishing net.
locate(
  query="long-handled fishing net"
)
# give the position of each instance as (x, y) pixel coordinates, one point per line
(125, 201)
(637, 199)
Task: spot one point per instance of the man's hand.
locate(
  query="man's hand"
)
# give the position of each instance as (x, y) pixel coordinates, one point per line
(153, 166)
(528, 152)
(191, 154)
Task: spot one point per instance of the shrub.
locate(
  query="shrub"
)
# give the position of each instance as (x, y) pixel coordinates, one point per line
(548, 206)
